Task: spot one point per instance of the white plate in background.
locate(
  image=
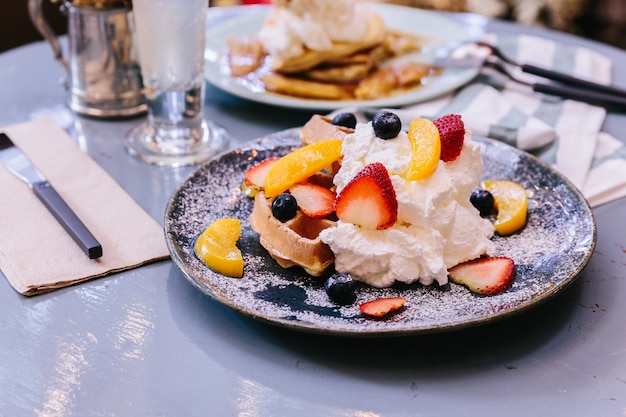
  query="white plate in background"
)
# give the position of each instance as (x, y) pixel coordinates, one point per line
(424, 23)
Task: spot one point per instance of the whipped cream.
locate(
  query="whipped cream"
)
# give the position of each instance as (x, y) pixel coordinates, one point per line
(294, 25)
(437, 226)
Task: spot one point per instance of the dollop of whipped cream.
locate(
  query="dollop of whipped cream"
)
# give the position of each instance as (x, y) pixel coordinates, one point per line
(437, 226)
(294, 25)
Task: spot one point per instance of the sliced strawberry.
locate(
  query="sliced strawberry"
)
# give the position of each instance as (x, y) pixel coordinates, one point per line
(382, 306)
(369, 200)
(255, 175)
(487, 276)
(451, 133)
(314, 200)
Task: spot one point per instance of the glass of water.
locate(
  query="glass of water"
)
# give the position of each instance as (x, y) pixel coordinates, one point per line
(170, 37)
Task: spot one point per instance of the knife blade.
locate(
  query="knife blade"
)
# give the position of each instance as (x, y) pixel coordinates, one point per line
(19, 164)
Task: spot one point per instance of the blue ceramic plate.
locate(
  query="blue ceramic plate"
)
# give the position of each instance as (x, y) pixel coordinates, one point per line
(434, 26)
(549, 252)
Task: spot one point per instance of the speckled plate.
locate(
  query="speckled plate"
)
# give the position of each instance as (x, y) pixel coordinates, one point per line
(549, 252)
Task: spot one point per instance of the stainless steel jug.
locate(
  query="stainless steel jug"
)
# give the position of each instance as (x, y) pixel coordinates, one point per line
(104, 78)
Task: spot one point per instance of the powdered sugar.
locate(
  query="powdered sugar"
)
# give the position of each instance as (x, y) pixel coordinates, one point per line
(549, 252)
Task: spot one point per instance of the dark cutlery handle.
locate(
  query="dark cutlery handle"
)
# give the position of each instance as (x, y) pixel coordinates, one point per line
(68, 219)
(570, 80)
(598, 98)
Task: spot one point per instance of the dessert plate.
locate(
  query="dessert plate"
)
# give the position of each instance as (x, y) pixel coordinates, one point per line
(549, 252)
(249, 20)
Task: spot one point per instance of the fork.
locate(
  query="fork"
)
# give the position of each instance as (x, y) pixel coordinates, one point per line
(550, 74)
(475, 54)
(574, 92)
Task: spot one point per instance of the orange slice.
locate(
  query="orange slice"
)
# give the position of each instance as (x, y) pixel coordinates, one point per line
(216, 247)
(425, 149)
(300, 164)
(511, 201)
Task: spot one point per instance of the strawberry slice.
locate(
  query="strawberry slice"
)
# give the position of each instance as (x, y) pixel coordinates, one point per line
(451, 133)
(369, 200)
(382, 306)
(255, 175)
(314, 200)
(487, 276)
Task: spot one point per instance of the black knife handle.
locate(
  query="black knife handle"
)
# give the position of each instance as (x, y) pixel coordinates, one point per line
(68, 219)
(597, 98)
(570, 80)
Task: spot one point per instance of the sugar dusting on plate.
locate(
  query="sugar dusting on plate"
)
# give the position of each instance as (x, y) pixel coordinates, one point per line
(549, 252)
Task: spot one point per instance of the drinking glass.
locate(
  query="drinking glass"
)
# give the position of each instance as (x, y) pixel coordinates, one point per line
(170, 36)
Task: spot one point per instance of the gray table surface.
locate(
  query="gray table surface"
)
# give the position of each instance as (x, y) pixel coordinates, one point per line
(146, 343)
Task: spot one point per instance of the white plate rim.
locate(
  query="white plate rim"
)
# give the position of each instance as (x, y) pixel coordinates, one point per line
(432, 24)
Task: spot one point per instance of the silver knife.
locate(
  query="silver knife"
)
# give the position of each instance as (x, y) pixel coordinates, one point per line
(15, 160)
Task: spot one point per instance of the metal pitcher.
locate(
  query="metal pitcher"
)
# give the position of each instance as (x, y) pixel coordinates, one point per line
(104, 78)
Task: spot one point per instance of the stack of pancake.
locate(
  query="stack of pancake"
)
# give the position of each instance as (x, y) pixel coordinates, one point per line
(347, 71)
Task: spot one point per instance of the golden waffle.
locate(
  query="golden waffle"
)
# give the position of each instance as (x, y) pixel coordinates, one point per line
(295, 242)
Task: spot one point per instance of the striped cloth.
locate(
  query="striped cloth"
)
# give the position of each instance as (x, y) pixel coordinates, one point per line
(564, 133)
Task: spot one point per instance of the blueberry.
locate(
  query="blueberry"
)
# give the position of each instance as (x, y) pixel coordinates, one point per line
(386, 124)
(284, 207)
(345, 119)
(340, 289)
(483, 201)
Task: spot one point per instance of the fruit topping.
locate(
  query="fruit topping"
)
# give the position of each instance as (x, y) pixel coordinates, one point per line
(511, 203)
(284, 207)
(216, 247)
(451, 133)
(340, 289)
(386, 124)
(300, 164)
(369, 199)
(382, 306)
(425, 149)
(483, 201)
(314, 200)
(345, 119)
(486, 276)
(254, 177)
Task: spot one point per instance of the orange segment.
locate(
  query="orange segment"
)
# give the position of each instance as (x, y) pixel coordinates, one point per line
(425, 149)
(511, 201)
(300, 164)
(216, 247)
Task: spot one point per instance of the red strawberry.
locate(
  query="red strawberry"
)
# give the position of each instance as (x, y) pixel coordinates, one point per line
(369, 200)
(255, 175)
(382, 306)
(451, 132)
(314, 200)
(487, 276)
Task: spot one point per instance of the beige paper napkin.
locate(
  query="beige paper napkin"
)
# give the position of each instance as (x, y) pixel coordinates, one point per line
(36, 254)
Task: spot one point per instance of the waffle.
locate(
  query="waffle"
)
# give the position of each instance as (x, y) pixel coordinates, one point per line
(295, 242)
